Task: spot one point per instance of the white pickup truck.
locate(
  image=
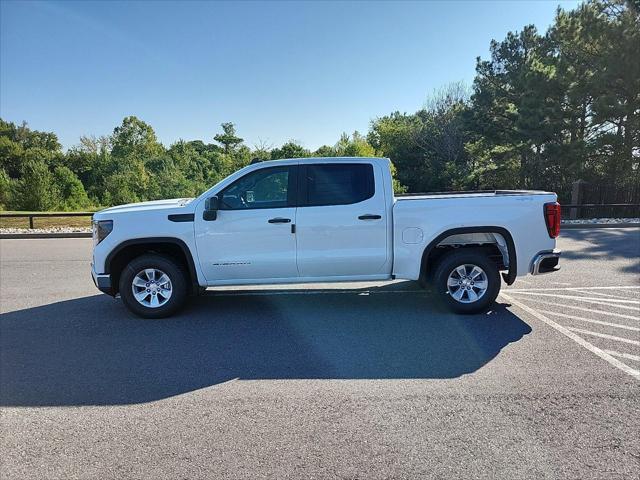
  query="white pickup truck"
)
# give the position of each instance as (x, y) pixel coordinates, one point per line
(322, 220)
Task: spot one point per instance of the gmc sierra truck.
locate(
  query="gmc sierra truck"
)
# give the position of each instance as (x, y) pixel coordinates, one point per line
(322, 220)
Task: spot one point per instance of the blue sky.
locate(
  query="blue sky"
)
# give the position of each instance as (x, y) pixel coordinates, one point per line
(303, 71)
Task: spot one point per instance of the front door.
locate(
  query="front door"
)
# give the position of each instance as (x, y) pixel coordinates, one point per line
(252, 237)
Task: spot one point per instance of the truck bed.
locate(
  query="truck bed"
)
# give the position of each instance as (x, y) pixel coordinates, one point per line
(419, 219)
(468, 194)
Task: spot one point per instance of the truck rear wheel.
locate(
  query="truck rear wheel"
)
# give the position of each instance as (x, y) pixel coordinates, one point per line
(467, 280)
(153, 286)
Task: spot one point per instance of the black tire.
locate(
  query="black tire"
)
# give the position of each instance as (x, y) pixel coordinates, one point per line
(173, 270)
(470, 257)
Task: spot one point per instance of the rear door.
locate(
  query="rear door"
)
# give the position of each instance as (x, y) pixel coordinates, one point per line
(341, 226)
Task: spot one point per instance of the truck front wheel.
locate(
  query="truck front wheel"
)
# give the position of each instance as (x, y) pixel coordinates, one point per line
(467, 280)
(153, 286)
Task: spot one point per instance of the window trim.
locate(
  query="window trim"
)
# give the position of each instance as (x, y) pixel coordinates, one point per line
(303, 188)
(292, 193)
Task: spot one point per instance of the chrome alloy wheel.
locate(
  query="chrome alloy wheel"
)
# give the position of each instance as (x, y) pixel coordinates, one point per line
(467, 283)
(151, 287)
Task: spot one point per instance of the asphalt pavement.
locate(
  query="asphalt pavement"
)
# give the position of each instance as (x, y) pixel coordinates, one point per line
(322, 381)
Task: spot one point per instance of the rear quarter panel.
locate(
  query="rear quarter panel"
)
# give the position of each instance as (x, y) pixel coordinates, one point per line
(521, 215)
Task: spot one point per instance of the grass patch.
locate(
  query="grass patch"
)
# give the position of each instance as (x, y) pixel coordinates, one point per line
(44, 222)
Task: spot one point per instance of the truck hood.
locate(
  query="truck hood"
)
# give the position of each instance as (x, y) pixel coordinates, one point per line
(142, 206)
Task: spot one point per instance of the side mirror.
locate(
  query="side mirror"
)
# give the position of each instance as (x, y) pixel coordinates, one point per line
(211, 208)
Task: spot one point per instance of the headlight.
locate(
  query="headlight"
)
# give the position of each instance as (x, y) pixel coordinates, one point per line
(101, 228)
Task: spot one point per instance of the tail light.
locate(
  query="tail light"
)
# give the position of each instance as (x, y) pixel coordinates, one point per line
(552, 213)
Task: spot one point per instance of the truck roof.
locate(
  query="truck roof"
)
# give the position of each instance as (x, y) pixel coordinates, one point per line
(314, 159)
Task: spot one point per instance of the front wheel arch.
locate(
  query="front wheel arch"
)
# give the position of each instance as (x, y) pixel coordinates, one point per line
(171, 247)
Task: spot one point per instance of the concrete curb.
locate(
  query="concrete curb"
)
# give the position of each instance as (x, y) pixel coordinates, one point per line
(44, 235)
(577, 226)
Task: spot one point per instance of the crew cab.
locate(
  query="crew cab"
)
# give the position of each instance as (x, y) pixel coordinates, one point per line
(322, 220)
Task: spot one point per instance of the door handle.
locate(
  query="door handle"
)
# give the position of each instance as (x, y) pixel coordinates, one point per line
(279, 220)
(369, 217)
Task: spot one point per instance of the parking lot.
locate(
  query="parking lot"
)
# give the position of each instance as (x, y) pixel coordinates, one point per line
(323, 381)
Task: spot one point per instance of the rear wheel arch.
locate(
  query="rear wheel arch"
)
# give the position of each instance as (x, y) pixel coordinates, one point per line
(430, 255)
(171, 247)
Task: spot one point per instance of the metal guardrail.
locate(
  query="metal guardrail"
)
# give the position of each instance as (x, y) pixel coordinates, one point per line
(581, 205)
(31, 216)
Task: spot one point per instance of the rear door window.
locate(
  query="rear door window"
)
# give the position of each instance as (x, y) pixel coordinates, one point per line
(337, 184)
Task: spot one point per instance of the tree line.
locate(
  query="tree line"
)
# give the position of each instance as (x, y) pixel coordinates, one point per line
(544, 110)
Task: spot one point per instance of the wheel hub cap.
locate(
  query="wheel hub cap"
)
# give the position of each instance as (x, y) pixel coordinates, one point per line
(151, 287)
(467, 283)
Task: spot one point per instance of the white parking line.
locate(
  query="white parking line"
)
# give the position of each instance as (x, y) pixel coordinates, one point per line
(584, 299)
(597, 302)
(601, 294)
(628, 356)
(590, 310)
(576, 338)
(608, 324)
(604, 335)
(625, 287)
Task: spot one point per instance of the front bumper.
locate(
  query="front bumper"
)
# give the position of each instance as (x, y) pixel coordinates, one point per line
(102, 281)
(545, 262)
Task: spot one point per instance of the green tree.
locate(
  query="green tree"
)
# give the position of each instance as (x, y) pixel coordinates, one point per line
(11, 155)
(19, 144)
(291, 149)
(325, 151)
(35, 189)
(354, 145)
(228, 138)
(134, 139)
(545, 110)
(428, 147)
(393, 136)
(194, 164)
(513, 107)
(550, 109)
(599, 68)
(71, 192)
(5, 190)
(167, 179)
(262, 150)
(398, 187)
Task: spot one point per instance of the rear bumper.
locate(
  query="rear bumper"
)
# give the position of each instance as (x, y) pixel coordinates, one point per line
(545, 262)
(102, 281)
